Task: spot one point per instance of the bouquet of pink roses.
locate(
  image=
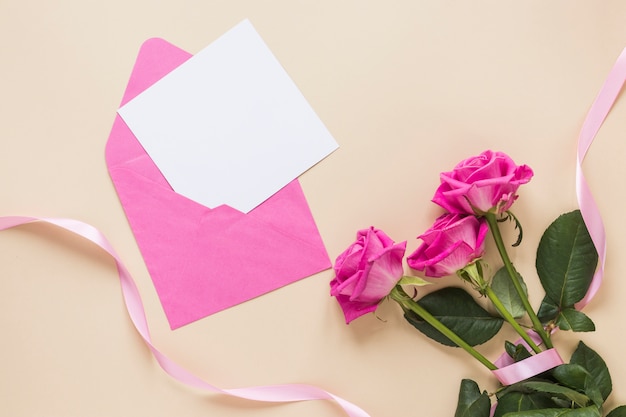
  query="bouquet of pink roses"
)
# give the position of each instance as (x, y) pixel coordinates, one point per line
(477, 196)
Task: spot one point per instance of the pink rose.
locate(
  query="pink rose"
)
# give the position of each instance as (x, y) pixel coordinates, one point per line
(366, 272)
(487, 182)
(453, 242)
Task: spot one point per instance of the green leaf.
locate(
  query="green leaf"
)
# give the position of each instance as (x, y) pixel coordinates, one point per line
(566, 259)
(571, 375)
(618, 412)
(593, 392)
(472, 403)
(558, 390)
(516, 352)
(521, 401)
(458, 311)
(510, 348)
(595, 365)
(502, 285)
(548, 311)
(572, 319)
(591, 411)
(575, 376)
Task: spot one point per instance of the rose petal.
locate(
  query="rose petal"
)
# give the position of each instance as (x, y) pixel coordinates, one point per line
(353, 310)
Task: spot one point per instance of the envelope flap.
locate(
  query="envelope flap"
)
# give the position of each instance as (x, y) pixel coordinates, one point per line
(156, 58)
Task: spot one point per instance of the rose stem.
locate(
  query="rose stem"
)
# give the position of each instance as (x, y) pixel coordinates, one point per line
(473, 273)
(398, 295)
(497, 237)
(510, 319)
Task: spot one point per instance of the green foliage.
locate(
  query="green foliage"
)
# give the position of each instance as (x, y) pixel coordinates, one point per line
(591, 411)
(566, 260)
(505, 290)
(595, 365)
(516, 401)
(548, 311)
(472, 403)
(572, 319)
(516, 352)
(576, 389)
(458, 311)
(559, 391)
(571, 375)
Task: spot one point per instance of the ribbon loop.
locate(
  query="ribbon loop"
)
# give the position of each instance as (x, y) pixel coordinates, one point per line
(134, 305)
(590, 212)
(529, 367)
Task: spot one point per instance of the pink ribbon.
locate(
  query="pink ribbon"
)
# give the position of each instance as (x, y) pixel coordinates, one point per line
(527, 368)
(510, 372)
(134, 305)
(591, 214)
(515, 372)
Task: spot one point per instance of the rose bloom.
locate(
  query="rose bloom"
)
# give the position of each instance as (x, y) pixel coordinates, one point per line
(487, 182)
(366, 272)
(453, 242)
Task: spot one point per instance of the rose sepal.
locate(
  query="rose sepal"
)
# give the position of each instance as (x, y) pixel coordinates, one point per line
(413, 280)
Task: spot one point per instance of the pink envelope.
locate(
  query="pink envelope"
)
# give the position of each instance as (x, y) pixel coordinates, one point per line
(205, 260)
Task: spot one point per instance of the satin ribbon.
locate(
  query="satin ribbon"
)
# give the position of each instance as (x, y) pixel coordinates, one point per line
(510, 372)
(530, 367)
(134, 305)
(599, 110)
(591, 214)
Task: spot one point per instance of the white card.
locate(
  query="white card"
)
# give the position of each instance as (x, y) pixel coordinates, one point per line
(229, 126)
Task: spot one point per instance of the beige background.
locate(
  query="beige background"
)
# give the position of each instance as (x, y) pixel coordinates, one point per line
(408, 88)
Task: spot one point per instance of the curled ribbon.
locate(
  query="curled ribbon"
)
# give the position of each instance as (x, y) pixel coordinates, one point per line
(599, 110)
(588, 208)
(134, 305)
